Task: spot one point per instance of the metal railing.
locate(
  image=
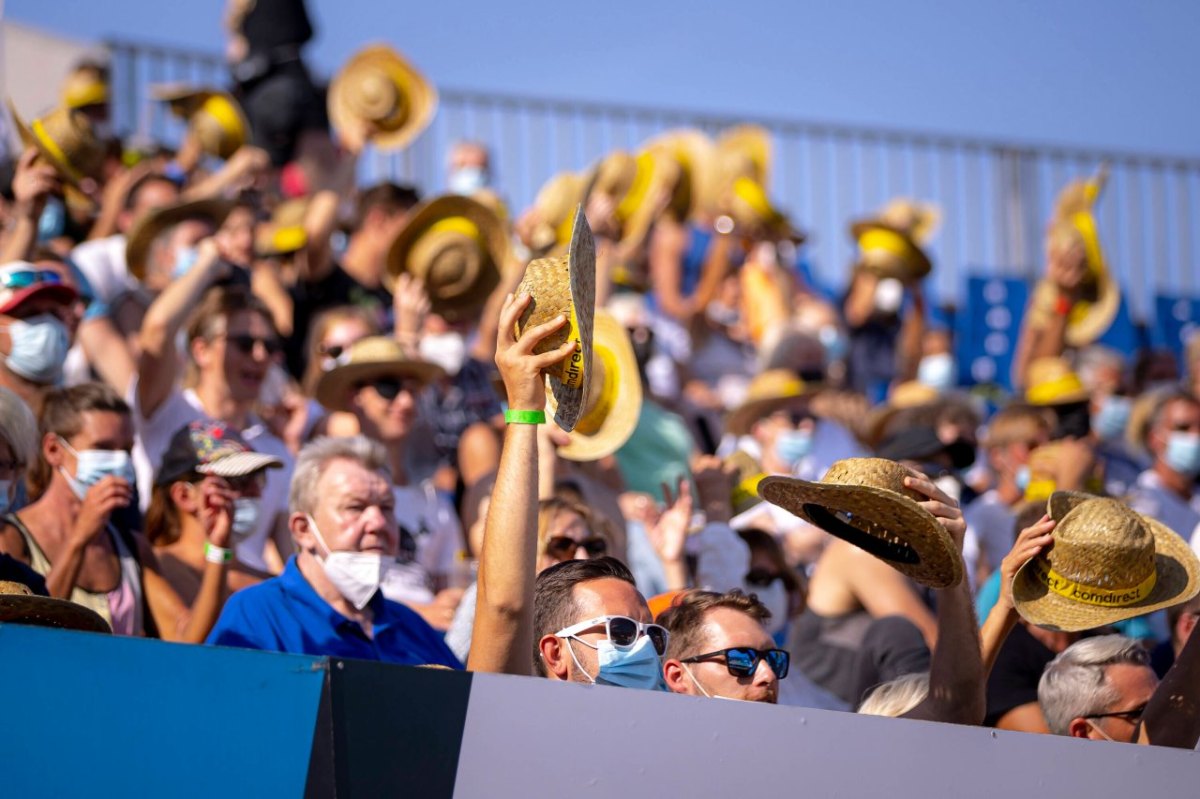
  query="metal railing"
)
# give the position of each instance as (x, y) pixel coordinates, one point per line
(995, 195)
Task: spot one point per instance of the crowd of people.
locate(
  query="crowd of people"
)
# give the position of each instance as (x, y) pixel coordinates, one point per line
(615, 438)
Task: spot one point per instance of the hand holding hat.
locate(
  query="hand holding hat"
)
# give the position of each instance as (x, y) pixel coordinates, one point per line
(520, 366)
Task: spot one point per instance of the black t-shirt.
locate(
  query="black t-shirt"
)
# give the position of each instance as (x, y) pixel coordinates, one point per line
(336, 288)
(275, 23)
(1014, 678)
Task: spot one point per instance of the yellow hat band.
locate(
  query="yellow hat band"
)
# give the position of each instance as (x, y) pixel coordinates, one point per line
(752, 194)
(572, 367)
(562, 234)
(1039, 490)
(81, 96)
(1092, 594)
(224, 114)
(1085, 223)
(746, 490)
(638, 189)
(39, 130)
(591, 422)
(289, 239)
(1051, 390)
(888, 241)
(460, 225)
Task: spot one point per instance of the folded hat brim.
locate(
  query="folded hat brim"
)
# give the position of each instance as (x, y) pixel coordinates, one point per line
(890, 526)
(570, 400)
(334, 388)
(150, 227)
(617, 427)
(50, 612)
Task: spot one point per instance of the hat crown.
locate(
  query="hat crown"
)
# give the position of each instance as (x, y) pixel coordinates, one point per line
(447, 261)
(375, 96)
(873, 473)
(72, 132)
(1101, 542)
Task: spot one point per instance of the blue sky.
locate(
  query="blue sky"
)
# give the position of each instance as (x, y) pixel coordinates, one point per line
(1102, 73)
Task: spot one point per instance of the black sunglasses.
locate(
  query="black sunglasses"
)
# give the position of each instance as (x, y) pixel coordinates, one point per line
(245, 343)
(561, 546)
(389, 388)
(761, 578)
(1133, 716)
(742, 661)
(332, 350)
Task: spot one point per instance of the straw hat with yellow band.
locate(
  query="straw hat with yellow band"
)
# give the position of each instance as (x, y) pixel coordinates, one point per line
(456, 246)
(555, 204)
(1052, 381)
(64, 138)
(85, 87)
(744, 495)
(747, 204)
(566, 285)
(744, 151)
(153, 224)
(891, 244)
(214, 118)
(366, 360)
(864, 501)
(379, 88)
(1093, 311)
(768, 392)
(635, 184)
(1107, 564)
(614, 397)
(284, 233)
(695, 154)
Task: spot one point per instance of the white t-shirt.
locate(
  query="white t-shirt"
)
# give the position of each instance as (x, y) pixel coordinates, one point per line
(183, 407)
(102, 262)
(1151, 498)
(437, 533)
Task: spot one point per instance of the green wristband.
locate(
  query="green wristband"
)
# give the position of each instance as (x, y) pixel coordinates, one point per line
(524, 417)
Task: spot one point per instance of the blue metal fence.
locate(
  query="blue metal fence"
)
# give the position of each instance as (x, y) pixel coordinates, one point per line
(995, 195)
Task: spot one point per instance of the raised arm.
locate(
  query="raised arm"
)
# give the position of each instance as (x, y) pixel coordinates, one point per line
(1003, 616)
(957, 691)
(503, 637)
(241, 168)
(32, 185)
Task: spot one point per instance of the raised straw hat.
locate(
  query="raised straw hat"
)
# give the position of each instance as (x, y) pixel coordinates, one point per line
(212, 116)
(744, 494)
(456, 246)
(153, 224)
(769, 391)
(378, 87)
(744, 151)
(891, 243)
(865, 502)
(614, 397)
(1108, 563)
(368, 359)
(1052, 381)
(565, 284)
(555, 204)
(636, 185)
(19, 605)
(284, 233)
(695, 154)
(65, 139)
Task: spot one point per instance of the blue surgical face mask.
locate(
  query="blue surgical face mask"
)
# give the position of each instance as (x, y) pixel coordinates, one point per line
(185, 259)
(467, 180)
(53, 221)
(937, 371)
(39, 347)
(1110, 421)
(792, 446)
(1183, 453)
(835, 342)
(635, 667)
(93, 465)
(246, 513)
(1023, 476)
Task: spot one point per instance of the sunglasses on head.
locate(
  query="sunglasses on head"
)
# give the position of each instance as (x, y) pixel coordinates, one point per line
(622, 631)
(561, 546)
(742, 661)
(245, 343)
(24, 278)
(389, 387)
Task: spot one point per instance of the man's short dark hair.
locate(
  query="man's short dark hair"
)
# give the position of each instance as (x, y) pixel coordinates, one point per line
(389, 197)
(145, 180)
(554, 604)
(685, 619)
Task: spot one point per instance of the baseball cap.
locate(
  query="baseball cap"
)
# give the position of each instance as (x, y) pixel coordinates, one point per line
(208, 447)
(21, 281)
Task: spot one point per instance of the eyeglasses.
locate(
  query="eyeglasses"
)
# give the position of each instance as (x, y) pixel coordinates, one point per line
(563, 547)
(245, 343)
(761, 578)
(1133, 715)
(24, 278)
(622, 631)
(742, 661)
(389, 388)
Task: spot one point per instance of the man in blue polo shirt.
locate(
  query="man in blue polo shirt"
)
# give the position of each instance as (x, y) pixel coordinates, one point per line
(327, 601)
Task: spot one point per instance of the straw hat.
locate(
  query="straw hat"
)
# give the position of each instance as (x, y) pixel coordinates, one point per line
(66, 140)
(367, 359)
(284, 232)
(901, 397)
(635, 184)
(747, 203)
(695, 154)
(1108, 563)
(85, 86)
(1137, 429)
(555, 204)
(744, 151)
(19, 605)
(1052, 381)
(744, 495)
(891, 242)
(768, 392)
(1100, 297)
(379, 87)
(456, 247)
(614, 395)
(156, 222)
(566, 285)
(865, 502)
(213, 116)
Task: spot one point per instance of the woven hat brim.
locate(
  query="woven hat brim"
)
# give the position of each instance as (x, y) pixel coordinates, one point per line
(916, 544)
(50, 612)
(622, 420)
(422, 99)
(570, 400)
(495, 242)
(74, 195)
(917, 268)
(240, 464)
(1178, 571)
(742, 418)
(333, 388)
(151, 226)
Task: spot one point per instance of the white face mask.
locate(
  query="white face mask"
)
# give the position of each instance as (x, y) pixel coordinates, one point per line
(889, 294)
(467, 180)
(356, 575)
(937, 371)
(704, 690)
(447, 350)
